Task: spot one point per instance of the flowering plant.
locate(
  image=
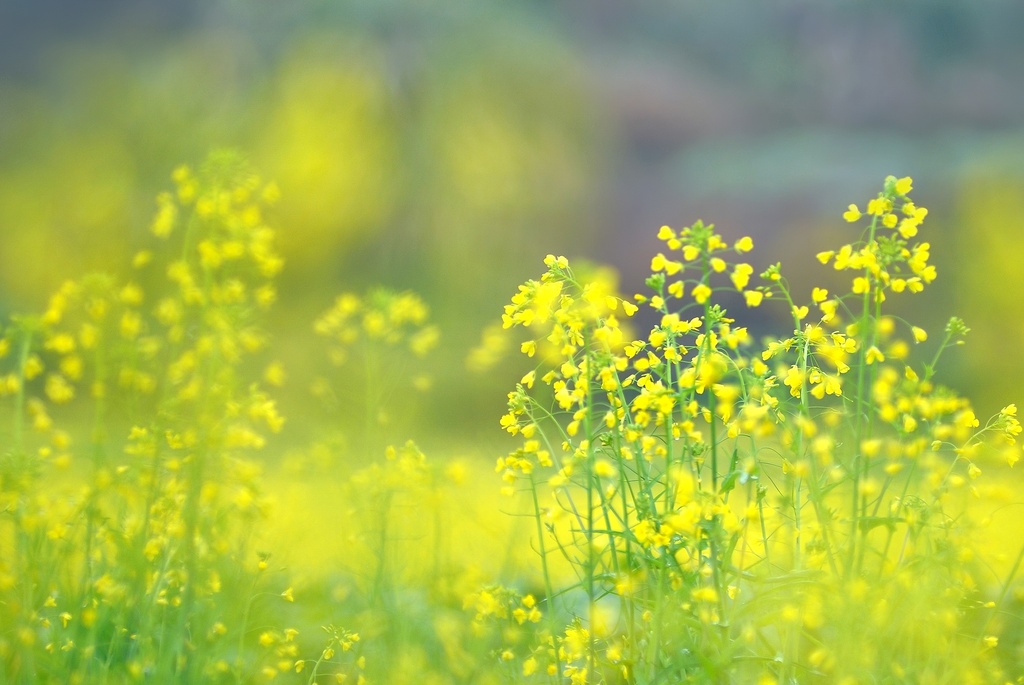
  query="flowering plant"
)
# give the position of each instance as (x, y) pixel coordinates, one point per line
(792, 511)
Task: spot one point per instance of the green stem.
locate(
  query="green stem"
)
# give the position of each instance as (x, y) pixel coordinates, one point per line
(861, 409)
(549, 592)
(1004, 591)
(593, 481)
(18, 436)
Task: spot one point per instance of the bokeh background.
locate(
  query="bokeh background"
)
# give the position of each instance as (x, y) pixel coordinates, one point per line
(446, 147)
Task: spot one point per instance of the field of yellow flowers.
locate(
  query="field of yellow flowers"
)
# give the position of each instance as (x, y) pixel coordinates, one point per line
(684, 501)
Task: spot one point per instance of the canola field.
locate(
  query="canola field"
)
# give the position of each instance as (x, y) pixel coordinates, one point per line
(668, 497)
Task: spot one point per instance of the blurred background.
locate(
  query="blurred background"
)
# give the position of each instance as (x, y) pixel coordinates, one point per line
(446, 147)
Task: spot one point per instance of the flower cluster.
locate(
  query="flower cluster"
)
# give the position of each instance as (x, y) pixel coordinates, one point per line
(693, 462)
(341, 644)
(140, 387)
(377, 342)
(509, 617)
(382, 317)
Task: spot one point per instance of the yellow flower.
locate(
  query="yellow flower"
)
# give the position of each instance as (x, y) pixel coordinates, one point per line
(908, 228)
(744, 244)
(852, 214)
(660, 263)
(879, 206)
(874, 355)
(753, 297)
(604, 469)
(795, 380)
(166, 216)
(58, 390)
(701, 293)
(741, 275)
(904, 185)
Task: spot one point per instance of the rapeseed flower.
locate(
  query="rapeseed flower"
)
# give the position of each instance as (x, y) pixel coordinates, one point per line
(792, 453)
